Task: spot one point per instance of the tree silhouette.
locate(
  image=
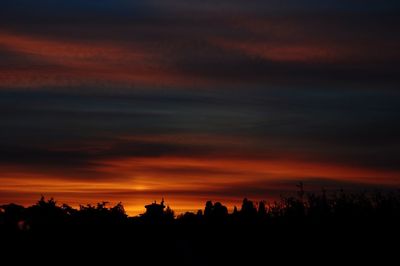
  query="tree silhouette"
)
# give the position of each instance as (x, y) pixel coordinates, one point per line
(248, 210)
(313, 208)
(262, 211)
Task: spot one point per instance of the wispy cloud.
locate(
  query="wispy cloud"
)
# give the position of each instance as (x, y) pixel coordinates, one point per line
(195, 100)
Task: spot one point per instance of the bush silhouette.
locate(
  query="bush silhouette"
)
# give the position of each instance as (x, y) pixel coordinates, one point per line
(312, 208)
(311, 223)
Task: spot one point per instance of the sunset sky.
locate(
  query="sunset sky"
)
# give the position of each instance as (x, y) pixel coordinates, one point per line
(132, 101)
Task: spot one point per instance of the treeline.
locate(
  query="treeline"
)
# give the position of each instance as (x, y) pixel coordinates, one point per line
(306, 208)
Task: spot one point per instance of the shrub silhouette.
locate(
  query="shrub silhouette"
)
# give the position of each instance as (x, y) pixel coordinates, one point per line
(312, 208)
(308, 223)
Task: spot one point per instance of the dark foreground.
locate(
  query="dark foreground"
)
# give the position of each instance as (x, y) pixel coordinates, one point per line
(317, 230)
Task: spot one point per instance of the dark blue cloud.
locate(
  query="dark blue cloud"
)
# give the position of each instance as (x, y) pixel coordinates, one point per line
(345, 126)
(343, 110)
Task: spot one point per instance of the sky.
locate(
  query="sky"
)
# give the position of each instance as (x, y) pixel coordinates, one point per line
(194, 100)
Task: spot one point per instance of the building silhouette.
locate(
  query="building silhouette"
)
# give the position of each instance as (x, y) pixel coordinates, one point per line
(155, 210)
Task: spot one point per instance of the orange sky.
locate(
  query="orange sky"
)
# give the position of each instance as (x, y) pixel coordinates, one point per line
(133, 101)
(185, 183)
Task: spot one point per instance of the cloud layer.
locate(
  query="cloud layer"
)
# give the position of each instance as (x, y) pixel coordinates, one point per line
(195, 100)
